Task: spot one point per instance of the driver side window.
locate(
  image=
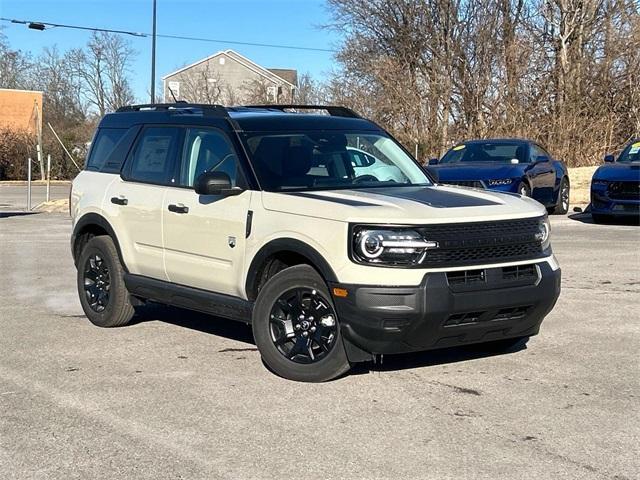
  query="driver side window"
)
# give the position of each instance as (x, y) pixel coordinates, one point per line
(207, 150)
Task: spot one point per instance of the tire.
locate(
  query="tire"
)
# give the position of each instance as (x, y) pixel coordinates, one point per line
(99, 263)
(524, 189)
(279, 325)
(562, 206)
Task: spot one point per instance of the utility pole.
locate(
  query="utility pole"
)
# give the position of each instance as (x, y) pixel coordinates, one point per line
(153, 56)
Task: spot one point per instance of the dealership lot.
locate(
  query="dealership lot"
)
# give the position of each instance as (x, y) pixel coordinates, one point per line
(183, 395)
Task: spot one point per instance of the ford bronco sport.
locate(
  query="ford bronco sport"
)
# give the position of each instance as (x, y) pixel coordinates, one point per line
(262, 215)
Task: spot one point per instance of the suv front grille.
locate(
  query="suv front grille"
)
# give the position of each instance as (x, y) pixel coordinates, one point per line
(464, 183)
(482, 243)
(624, 190)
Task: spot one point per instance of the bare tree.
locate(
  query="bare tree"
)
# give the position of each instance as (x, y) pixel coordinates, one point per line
(102, 67)
(14, 66)
(564, 72)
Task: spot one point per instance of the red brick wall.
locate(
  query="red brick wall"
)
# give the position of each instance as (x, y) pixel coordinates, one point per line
(18, 111)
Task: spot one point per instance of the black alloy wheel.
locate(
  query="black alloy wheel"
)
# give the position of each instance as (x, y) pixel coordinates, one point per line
(303, 325)
(296, 327)
(97, 283)
(100, 281)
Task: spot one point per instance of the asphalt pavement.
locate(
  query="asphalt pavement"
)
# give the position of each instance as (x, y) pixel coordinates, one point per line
(179, 395)
(14, 196)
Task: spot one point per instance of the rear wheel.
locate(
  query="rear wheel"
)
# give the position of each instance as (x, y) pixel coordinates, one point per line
(103, 295)
(296, 327)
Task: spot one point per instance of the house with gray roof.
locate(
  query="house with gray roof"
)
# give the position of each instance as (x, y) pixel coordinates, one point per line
(229, 78)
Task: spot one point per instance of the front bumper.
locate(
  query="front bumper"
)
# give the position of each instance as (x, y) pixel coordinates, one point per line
(602, 204)
(449, 309)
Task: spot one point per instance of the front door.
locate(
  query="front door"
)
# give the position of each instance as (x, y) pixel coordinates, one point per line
(204, 235)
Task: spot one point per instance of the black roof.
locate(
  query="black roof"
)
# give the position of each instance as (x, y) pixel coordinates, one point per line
(250, 118)
(496, 140)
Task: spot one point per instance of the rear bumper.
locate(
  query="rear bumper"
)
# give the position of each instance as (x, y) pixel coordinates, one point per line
(446, 310)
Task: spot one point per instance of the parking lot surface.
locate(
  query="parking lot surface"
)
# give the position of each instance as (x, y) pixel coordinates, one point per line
(183, 395)
(14, 196)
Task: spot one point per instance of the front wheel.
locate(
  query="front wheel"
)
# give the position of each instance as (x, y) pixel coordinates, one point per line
(296, 327)
(524, 190)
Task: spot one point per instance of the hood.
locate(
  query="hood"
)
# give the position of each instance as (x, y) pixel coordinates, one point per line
(406, 205)
(618, 172)
(477, 171)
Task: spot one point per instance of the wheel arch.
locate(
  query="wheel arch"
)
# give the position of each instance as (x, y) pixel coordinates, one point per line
(285, 252)
(88, 226)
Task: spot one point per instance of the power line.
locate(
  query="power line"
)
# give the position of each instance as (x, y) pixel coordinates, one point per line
(42, 25)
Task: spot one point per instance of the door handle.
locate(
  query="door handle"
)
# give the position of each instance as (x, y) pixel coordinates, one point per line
(178, 208)
(119, 200)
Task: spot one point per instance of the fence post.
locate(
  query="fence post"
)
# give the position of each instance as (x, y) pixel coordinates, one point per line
(29, 184)
(48, 176)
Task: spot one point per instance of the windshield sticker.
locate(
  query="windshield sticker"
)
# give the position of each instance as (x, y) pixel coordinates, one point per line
(459, 147)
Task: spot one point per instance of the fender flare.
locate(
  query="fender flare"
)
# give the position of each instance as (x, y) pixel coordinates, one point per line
(289, 245)
(89, 219)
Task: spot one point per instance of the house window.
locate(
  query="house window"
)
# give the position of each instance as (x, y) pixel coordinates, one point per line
(272, 94)
(222, 60)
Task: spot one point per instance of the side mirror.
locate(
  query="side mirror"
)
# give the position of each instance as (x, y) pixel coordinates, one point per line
(215, 183)
(541, 159)
(433, 161)
(609, 159)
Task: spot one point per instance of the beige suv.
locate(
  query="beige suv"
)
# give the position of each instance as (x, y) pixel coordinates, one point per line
(260, 214)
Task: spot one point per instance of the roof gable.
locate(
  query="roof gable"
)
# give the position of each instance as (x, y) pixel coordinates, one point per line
(270, 75)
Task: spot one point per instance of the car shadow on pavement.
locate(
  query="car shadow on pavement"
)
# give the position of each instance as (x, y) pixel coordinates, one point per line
(588, 219)
(241, 332)
(433, 358)
(16, 214)
(201, 322)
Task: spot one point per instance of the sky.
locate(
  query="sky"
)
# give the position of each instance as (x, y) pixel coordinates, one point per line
(286, 22)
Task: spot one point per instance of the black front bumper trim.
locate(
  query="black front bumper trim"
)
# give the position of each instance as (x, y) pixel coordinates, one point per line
(437, 314)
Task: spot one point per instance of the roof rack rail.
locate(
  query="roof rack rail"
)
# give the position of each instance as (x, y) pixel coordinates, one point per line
(333, 110)
(207, 109)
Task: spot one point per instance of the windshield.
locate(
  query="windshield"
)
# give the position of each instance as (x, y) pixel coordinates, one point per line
(502, 152)
(631, 153)
(321, 160)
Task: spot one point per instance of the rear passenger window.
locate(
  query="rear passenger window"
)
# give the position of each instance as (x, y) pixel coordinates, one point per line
(153, 158)
(103, 144)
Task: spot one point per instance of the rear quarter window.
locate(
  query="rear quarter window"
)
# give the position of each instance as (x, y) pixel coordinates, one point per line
(103, 144)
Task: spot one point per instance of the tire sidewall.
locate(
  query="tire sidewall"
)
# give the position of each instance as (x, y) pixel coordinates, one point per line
(560, 209)
(99, 245)
(331, 366)
(523, 185)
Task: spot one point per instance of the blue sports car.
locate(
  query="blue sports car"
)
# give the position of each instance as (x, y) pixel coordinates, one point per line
(507, 165)
(615, 186)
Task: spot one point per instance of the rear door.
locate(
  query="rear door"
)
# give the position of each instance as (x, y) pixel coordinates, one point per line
(204, 235)
(135, 199)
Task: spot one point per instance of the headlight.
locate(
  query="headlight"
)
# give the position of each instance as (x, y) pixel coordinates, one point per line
(503, 181)
(389, 246)
(544, 232)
